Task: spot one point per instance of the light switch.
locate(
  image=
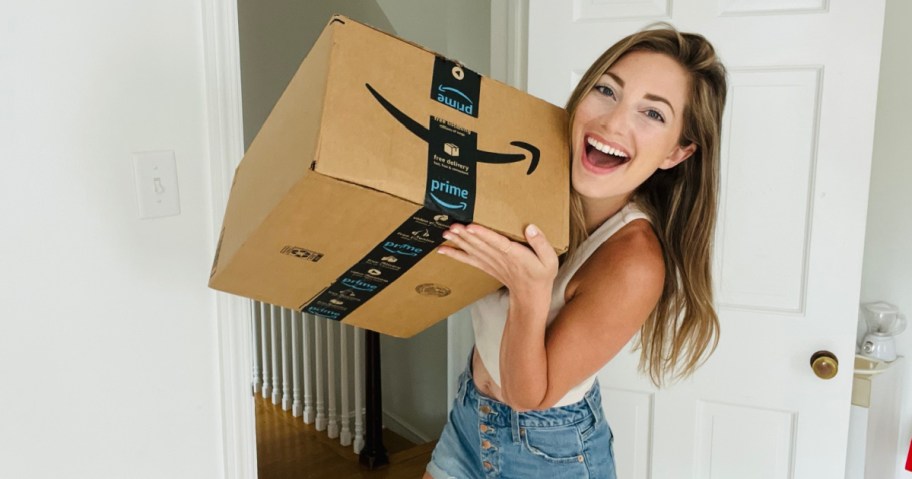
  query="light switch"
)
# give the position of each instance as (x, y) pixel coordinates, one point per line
(155, 173)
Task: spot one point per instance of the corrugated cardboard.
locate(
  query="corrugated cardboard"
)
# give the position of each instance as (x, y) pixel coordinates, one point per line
(333, 173)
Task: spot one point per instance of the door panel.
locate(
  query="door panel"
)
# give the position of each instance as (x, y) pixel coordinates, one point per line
(770, 155)
(796, 152)
(720, 451)
(747, 7)
(588, 10)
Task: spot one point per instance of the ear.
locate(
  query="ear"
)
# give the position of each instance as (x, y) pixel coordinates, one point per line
(677, 155)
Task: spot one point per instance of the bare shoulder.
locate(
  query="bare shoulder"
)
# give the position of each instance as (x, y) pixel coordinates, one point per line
(629, 261)
(607, 301)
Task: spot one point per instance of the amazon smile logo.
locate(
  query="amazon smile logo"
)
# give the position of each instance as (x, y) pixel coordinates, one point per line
(456, 99)
(450, 190)
(321, 311)
(359, 284)
(481, 156)
(402, 249)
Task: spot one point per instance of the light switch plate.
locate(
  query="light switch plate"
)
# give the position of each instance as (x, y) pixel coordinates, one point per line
(155, 174)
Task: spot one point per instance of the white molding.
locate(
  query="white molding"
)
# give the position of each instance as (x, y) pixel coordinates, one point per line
(734, 8)
(592, 11)
(226, 147)
(509, 42)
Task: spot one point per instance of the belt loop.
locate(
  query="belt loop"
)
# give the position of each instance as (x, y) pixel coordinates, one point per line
(461, 392)
(514, 425)
(594, 401)
(464, 378)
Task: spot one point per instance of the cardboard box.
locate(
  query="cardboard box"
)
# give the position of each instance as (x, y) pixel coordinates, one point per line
(374, 149)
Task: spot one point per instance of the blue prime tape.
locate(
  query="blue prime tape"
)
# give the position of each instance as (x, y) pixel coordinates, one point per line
(385, 263)
(456, 86)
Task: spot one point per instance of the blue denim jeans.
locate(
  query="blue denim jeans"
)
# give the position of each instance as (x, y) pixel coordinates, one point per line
(487, 438)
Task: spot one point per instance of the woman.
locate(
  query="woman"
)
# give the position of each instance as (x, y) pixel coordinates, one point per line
(645, 129)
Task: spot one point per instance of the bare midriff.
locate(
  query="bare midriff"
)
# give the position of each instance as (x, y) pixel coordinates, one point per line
(484, 383)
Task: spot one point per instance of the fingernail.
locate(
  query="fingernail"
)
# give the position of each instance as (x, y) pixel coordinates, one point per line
(531, 231)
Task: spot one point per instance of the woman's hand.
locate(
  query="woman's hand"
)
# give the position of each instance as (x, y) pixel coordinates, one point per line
(528, 272)
(523, 270)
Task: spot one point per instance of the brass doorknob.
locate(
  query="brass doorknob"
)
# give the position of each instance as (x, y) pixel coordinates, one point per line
(824, 364)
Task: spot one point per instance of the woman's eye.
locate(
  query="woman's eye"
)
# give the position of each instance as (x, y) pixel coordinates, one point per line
(655, 115)
(604, 90)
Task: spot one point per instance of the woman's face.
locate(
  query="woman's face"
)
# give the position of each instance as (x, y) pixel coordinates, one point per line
(628, 126)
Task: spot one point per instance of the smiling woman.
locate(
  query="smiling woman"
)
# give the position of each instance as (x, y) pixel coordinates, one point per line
(645, 133)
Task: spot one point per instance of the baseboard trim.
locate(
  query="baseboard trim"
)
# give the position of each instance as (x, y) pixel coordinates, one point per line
(402, 427)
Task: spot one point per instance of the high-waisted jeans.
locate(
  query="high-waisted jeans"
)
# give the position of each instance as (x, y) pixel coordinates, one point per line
(487, 438)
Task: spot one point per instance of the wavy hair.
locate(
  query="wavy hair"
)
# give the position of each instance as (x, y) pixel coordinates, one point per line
(683, 329)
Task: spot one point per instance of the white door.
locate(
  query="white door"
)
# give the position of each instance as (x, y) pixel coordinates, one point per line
(796, 157)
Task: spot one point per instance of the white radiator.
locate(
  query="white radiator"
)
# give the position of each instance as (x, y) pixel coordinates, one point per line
(313, 367)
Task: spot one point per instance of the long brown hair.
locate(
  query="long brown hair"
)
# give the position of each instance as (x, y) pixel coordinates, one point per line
(683, 329)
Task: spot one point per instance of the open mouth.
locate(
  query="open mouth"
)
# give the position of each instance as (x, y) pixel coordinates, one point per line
(603, 156)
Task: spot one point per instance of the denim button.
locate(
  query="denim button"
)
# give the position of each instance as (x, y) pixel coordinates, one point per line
(487, 465)
(485, 409)
(484, 428)
(486, 444)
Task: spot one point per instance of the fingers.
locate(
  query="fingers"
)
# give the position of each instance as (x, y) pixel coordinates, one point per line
(494, 248)
(481, 236)
(540, 245)
(469, 241)
(505, 260)
(469, 252)
(461, 256)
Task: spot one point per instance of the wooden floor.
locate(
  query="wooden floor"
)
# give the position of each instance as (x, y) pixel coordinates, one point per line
(288, 448)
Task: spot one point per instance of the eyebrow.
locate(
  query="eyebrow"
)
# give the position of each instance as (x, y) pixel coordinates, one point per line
(648, 96)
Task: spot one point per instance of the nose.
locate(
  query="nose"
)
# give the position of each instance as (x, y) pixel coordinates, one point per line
(615, 119)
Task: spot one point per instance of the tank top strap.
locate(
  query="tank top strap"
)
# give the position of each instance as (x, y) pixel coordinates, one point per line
(628, 213)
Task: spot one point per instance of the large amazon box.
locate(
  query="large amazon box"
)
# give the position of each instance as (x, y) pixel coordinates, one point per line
(374, 149)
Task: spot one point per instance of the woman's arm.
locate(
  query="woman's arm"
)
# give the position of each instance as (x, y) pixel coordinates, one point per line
(608, 300)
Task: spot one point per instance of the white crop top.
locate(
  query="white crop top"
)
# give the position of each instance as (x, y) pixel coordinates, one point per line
(489, 314)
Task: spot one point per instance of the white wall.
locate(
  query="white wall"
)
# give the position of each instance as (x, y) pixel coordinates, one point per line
(275, 36)
(887, 273)
(108, 339)
(460, 30)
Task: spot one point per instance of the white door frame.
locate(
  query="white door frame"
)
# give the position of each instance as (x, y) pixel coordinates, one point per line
(509, 38)
(221, 54)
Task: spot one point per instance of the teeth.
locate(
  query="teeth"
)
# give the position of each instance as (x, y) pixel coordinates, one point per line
(605, 148)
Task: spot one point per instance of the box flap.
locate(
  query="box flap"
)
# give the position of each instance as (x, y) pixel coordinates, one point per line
(282, 152)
